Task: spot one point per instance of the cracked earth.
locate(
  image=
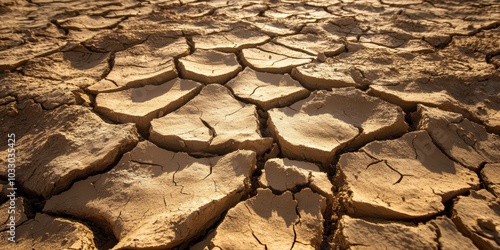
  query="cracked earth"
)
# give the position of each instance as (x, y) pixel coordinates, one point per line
(346, 124)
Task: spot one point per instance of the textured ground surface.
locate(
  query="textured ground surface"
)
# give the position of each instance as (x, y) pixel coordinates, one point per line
(345, 124)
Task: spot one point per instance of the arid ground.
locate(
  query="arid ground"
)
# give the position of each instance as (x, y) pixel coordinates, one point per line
(166, 124)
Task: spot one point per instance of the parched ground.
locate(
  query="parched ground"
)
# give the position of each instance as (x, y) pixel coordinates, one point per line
(251, 124)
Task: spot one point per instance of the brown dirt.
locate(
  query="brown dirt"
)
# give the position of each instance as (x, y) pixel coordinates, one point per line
(288, 124)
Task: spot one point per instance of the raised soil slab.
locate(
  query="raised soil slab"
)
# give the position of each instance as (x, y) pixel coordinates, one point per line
(266, 90)
(295, 220)
(405, 178)
(230, 41)
(477, 216)
(285, 174)
(184, 195)
(461, 139)
(274, 58)
(141, 105)
(206, 125)
(353, 233)
(148, 63)
(66, 144)
(49, 232)
(209, 66)
(311, 44)
(318, 127)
